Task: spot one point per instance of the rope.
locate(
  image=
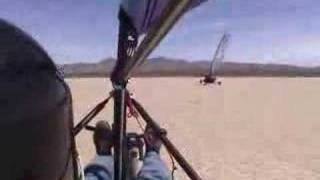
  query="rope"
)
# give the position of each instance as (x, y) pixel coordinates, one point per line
(173, 165)
(132, 112)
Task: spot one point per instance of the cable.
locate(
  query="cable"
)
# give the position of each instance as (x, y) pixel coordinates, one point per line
(173, 167)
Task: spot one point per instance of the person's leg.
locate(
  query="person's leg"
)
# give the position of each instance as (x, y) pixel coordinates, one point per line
(153, 166)
(101, 167)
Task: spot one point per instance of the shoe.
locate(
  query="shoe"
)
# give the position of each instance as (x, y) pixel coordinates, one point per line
(103, 138)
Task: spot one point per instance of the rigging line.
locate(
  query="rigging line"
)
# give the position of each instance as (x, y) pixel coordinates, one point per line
(133, 113)
(139, 124)
(173, 165)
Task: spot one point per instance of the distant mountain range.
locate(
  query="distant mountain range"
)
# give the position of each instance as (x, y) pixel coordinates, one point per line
(162, 66)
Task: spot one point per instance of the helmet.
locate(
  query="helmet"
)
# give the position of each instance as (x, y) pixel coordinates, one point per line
(35, 111)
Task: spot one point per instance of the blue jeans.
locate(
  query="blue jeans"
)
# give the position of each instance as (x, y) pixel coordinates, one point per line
(101, 168)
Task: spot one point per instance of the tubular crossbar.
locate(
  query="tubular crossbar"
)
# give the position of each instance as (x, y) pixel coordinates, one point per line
(170, 16)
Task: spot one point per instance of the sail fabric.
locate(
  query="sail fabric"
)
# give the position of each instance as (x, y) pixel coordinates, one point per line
(144, 13)
(220, 53)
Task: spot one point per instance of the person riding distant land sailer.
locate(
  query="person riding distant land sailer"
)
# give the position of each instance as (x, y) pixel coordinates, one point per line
(209, 80)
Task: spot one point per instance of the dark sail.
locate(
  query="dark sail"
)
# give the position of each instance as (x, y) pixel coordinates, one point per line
(145, 13)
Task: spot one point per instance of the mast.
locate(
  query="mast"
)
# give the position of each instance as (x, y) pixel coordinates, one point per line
(128, 58)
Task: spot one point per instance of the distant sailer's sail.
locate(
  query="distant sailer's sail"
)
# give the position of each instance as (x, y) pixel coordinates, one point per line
(145, 13)
(219, 54)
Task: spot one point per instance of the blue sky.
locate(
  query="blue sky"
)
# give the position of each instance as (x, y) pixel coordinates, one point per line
(264, 31)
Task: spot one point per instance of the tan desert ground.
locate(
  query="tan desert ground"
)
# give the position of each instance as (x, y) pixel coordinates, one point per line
(248, 128)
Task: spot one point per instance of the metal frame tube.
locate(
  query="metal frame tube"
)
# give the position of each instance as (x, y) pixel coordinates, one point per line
(119, 129)
(119, 122)
(166, 142)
